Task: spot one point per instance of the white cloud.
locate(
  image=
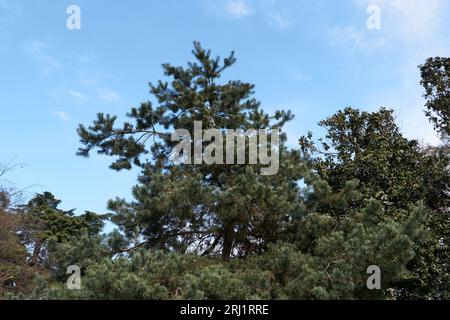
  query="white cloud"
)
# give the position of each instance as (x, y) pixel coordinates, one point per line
(410, 21)
(407, 102)
(38, 51)
(237, 9)
(76, 95)
(279, 19)
(352, 38)
(415, 125)
(81, 59)
(276, 13)
(297, 76)
(102, 91)
(412, 30)
(108, 95)
(272, 11)
(63, 116)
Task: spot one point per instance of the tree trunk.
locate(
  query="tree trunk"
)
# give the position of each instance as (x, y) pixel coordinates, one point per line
(228, 239)
(36, 252)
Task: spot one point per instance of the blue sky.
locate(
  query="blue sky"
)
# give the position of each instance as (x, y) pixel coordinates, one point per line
(311, 56)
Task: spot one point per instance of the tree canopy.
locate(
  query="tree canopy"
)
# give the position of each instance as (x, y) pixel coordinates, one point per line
(363, 195)
(435, 73)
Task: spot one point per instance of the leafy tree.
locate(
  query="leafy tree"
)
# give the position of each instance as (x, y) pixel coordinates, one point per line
(369, 148)
(435, 75)
(366, 196)
(14, 273)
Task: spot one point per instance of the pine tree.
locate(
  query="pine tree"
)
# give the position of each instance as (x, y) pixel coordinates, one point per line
(208, 209)
(370, 197)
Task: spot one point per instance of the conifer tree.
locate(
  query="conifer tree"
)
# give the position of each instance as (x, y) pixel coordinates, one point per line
(209, 209)
(370, 198)
(42, 220)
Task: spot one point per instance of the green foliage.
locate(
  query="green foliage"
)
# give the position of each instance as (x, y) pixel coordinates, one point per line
(42, 221)
(435, 75)
(215, 282)
(363, 195)
(333, 268)
(57, 224)
(334, 264)
(369, 148)
(209, 209)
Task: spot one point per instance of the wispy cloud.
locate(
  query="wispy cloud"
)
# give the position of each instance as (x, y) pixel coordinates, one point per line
(237, 9)
(272, 11)
(76, 95)
(403, 23)
(81, 59)
(353, 38)
(108, 95)
(410, 21)
(38, 51)
(61, 115)
(280, 20)
(413, 30)
(72, 94)
(276, 14)
(297, 76)
(103, 92)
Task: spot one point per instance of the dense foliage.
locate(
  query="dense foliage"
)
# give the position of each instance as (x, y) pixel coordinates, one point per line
(436, 81)
(363, 195)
